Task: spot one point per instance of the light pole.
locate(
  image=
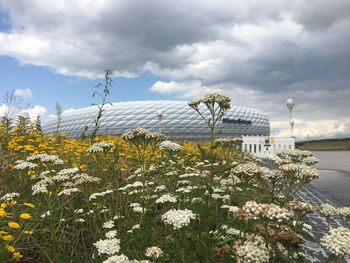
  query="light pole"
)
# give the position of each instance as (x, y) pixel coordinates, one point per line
(290, 105)
(160, 117)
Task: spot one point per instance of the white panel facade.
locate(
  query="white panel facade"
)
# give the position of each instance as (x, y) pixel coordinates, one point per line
(179, 121)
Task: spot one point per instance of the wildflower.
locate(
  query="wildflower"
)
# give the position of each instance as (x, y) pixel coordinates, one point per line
(68, 191)
(10, 248)
(170, 146)
(337, 241)
(117, 259)
(108, 246)
(7, 237)
(13, 225)
(111, 234)
(166, 198)
(154, 252)
(327, 209)
(28, 232)
(9, 196)
(25, 216)
(178, 218)
(109, 224)
(17, 256)
(253, 250)
(29, 205)
(2, 212)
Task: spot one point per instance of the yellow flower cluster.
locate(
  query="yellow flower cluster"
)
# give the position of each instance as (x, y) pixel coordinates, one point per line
(13, 225)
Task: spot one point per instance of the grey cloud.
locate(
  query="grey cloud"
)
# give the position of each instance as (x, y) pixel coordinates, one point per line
(269, 49)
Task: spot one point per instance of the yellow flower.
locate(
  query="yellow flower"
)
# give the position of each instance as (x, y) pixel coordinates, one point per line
(7, 237)
(2, 212)
(31, 173)
(29, 205)
(11, 203)
(3, 205)
(3, 233)
(25, 216)
(10, 248)
(83, 167)
(28, 232)
(13, 225)
(17, 256)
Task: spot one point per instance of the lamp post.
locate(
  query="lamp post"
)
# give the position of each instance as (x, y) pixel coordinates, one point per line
(290, 105)
(160, 117)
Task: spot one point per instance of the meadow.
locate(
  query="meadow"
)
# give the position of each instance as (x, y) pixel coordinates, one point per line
(142, 198)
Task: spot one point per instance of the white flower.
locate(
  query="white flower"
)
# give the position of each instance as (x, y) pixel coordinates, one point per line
(136, 207)
(117, 259)
(21, 165)
(108, 246)
(46, 214)
(232, 231)
(9, 196)
(111, 234)
(337, 241)
(170, 146)
(253, 250)
(166, 198)
(178, 218)
(68, 191)
(95, 195)
(109, 224)
(154, 252)
(327, 209)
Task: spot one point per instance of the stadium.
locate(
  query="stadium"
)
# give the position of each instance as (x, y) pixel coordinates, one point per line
(173, 118)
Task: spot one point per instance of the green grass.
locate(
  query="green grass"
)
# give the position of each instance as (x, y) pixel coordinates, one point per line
(325, 145)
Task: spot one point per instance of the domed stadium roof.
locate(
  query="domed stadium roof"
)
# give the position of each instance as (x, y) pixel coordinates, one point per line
(174, 118)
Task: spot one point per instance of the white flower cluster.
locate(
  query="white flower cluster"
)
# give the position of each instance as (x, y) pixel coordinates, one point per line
(327, 209)
(166, 198)
(154, 252)
(136, 207)
(228, 142)
(253, 250)
(133, 185)
(95, 195)
(45, 158)
(211, 99)
(301, 156)
(9, 196)
(269, 211)
(99, 147)
(108, 225)
(170, 146)
(178, 218)
(117, 259)
(249, 170)
(108, 246)
(231, 209)
(68, 191)
(143, 134)
(337, 241)
(300, 171)
(21, 165)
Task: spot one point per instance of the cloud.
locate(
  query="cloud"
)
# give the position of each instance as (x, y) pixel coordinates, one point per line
(35, 111)
(259, 52)
(23, 93)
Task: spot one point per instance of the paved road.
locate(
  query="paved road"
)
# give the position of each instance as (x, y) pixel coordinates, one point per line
(319, 224)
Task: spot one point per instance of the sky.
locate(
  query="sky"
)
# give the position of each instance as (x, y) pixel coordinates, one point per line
(260, 53)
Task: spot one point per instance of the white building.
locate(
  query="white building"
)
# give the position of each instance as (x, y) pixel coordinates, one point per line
(266, 146)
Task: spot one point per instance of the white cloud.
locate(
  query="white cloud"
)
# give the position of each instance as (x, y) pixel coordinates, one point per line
(24, 93)
(35, 111)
